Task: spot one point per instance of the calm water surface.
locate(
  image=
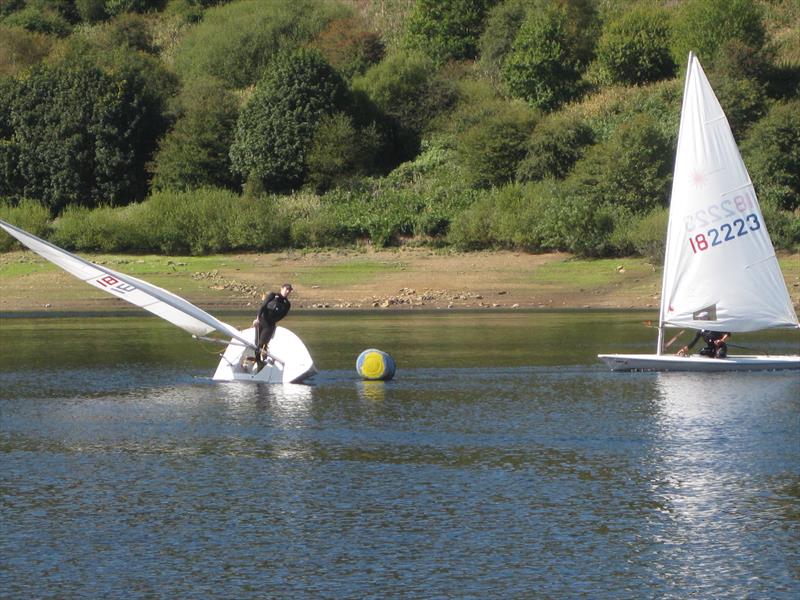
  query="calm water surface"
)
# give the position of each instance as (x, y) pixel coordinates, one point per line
(502, 462)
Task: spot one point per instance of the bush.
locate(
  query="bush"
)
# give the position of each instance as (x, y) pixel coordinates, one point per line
(634, 49)
(235, 42)
(631, 170)
(195, 153)
(20, 49)
(554, 148)
(703, 26)
(348, 47)
(772, 155)
(31, 216)
(502, 24)
(491, 150)
(275, 129)
(102, 229)
(552, 47)
(447, 30)
(649, 235)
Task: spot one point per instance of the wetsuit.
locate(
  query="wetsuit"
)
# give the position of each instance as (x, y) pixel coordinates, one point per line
(273, 310)
(711, 349)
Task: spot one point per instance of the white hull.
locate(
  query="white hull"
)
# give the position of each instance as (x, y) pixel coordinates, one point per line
(669, 362)
(288, 362)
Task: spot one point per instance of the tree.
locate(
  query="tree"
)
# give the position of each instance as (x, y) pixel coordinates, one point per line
(634, 48)
(552, 47)
(195, 153)
(348, 47)
(554, 148)
(447, 30)
(276, 127)
(702, 26)
(82, 135)
(772, 154)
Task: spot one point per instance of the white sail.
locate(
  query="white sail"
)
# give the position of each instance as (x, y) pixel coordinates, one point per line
(158, 301)
(720, 269)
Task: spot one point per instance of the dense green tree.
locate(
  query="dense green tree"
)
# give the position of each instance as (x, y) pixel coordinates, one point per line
(502, 24)
(702, 26)
(195, 153)
(40, 19)
(632, 169)
(407, 89)
(276, 127)
(634, 48)
(82, 135)
(552, 47)
(491, 150)
(772, 154)
(447, 30)
(554, 147)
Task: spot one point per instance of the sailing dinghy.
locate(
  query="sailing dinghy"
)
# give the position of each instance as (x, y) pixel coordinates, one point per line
(720, 269)
(288, 360)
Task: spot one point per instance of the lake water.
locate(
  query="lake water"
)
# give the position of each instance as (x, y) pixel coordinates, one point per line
(502, 461)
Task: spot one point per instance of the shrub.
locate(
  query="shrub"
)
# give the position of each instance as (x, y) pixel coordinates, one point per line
(634, 49)
(631, 170)
(772, 154)
(490, 151)
(348, 47)
(29, 215)
(277, 126)
(551, 49)
(554, 148)
(702, 26)
(447, 30)
(102, 229)
(235, 42)
(649, 234)
(502, 24)
(20, 49)
(195, 153)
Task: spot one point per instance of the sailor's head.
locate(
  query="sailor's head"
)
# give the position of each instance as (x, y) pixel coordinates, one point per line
(286, 289)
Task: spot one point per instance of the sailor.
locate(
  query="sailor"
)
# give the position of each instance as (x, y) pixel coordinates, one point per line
(715, 344)
(274, 308)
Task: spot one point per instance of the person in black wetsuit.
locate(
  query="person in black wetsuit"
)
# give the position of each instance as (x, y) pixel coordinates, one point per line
(275, 307)
(715, 344)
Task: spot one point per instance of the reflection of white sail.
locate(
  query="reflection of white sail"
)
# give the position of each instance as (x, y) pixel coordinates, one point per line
(289, 359)
(720, 269)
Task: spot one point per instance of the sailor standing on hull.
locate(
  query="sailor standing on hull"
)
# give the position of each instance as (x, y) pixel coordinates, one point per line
(275, 307)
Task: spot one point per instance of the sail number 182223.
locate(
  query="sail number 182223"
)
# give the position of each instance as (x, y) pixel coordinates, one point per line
(727, 232)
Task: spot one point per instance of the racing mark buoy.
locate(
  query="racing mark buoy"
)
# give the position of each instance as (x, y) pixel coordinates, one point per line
(375, 365)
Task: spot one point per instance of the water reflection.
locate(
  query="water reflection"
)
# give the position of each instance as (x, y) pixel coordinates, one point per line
(373, 391)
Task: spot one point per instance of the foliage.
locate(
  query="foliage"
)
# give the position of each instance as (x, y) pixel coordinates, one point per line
(348, 47)
(549, 52)
(340, 151)
(502, 24)
(28, 215)
(195, 152)
(82, 136)
(632, 169)
(703, 26)
(277, 126)
(772, 155)
(20, 49)
(39, 19)
(649, 234)
(554, 148)
(491, 150)
(634, 48)
(236, 42)
(447, 30)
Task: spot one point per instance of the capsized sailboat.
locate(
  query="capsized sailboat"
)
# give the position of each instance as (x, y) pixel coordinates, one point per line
(288, 361)
(720, 269)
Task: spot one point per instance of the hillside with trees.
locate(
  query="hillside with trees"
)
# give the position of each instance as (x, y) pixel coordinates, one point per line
(204, 126)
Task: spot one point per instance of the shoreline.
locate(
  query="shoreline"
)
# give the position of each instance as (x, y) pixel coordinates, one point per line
(403, 279)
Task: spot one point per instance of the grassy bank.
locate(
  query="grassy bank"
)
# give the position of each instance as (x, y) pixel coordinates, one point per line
(349, 279)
